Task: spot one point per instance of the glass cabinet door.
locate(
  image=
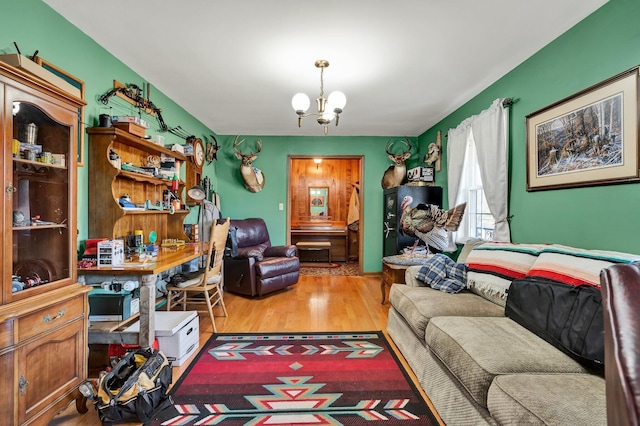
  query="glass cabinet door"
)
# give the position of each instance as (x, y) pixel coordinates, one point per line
(42, 195)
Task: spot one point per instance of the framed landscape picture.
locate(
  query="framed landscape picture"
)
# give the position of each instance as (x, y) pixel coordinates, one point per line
(590, 138)
(79, 84)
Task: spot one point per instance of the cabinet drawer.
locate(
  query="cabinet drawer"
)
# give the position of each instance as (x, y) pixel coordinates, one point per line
(49, 318)
(387, 276)
(392, 275)
(6, 334)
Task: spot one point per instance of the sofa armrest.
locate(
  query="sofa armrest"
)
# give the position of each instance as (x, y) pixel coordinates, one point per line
(281, 251)
(621, 310)
(410, 277)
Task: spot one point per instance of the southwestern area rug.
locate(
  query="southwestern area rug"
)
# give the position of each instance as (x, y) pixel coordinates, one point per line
(296, 379)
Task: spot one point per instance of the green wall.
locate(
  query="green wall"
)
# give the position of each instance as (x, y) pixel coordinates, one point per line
(604, 44)
(35, 26)
(237, 202)
(606, 217)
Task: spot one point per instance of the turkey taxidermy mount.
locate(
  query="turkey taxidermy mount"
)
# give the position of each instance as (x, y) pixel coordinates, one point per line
(430, 223)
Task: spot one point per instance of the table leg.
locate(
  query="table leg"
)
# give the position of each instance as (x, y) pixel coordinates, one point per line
(346, 247)
(147, 311)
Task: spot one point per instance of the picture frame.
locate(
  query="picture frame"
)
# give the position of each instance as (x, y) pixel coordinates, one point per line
(318, 199)
(587, 139)
(76, 82)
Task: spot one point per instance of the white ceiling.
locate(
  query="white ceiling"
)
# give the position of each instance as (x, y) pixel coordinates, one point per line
(403, 64)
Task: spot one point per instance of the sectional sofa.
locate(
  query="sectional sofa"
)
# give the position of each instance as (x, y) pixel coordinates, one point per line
(479, 366)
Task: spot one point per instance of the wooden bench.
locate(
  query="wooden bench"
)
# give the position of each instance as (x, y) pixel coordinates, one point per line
(314, 246)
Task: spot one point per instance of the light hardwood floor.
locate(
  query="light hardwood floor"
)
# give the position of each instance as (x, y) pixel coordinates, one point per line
(315, 304)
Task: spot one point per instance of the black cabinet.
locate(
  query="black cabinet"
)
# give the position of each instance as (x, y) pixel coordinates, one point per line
(394, 240)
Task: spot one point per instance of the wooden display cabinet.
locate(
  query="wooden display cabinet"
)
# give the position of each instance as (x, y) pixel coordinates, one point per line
(43, 310)
(108, 183)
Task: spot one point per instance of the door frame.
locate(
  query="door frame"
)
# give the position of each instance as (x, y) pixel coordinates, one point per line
(360, 158)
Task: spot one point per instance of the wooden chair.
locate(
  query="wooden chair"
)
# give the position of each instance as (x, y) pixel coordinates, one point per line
(205, 288)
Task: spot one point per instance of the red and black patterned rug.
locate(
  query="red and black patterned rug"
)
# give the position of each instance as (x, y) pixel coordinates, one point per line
(296, 379)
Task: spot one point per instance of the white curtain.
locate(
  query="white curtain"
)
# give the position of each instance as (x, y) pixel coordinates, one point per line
(456, 152)
(488, 131)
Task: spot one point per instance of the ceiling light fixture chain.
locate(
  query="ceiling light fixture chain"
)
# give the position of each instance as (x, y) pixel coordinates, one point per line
(321, 80)
(328, 109)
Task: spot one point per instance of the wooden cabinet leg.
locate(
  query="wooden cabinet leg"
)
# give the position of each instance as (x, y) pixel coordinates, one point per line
(81, 404)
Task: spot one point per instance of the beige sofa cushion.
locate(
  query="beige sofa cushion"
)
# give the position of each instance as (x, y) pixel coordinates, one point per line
(475, 350)
(417, 305)
(550, 399)
(410, 276)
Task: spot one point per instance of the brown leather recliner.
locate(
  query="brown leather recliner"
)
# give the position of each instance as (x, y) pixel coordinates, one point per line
(258, 267)
(621, 307)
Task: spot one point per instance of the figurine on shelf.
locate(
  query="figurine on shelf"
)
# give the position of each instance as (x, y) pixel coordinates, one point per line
(19, 218)
(114, 158)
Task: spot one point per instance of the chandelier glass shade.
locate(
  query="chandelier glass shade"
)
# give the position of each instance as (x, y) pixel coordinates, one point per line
(328, 108)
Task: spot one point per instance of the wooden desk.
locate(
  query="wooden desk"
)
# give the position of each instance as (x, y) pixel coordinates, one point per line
(146, 272)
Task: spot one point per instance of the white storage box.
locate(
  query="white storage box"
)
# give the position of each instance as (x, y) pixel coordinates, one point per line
(178, 334)
(158, 140)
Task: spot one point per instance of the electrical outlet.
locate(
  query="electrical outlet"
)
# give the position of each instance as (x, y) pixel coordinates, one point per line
(281, 206)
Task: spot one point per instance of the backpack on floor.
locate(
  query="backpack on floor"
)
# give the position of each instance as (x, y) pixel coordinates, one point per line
(135, 388)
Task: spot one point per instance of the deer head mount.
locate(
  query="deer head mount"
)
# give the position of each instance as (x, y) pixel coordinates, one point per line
(434, 152)
(396, 174)
(253, 177)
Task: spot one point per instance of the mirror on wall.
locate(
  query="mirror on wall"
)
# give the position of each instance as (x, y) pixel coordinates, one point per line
(319, 202)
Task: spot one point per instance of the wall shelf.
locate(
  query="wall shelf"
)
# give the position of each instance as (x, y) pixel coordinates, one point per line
(108, 184)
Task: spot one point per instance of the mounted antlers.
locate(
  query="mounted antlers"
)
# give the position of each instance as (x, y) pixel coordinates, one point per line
(253, 177)
(396, 173)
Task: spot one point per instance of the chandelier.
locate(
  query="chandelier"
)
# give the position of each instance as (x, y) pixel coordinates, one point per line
(328, 109)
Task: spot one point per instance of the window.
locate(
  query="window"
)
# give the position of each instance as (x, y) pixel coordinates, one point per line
(478, 222)
(481, 220)
(479, 149)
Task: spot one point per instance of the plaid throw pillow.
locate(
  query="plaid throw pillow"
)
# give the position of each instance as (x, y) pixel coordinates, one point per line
(442, 273)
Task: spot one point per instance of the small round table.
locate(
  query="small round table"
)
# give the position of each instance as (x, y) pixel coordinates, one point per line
(391, 273)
